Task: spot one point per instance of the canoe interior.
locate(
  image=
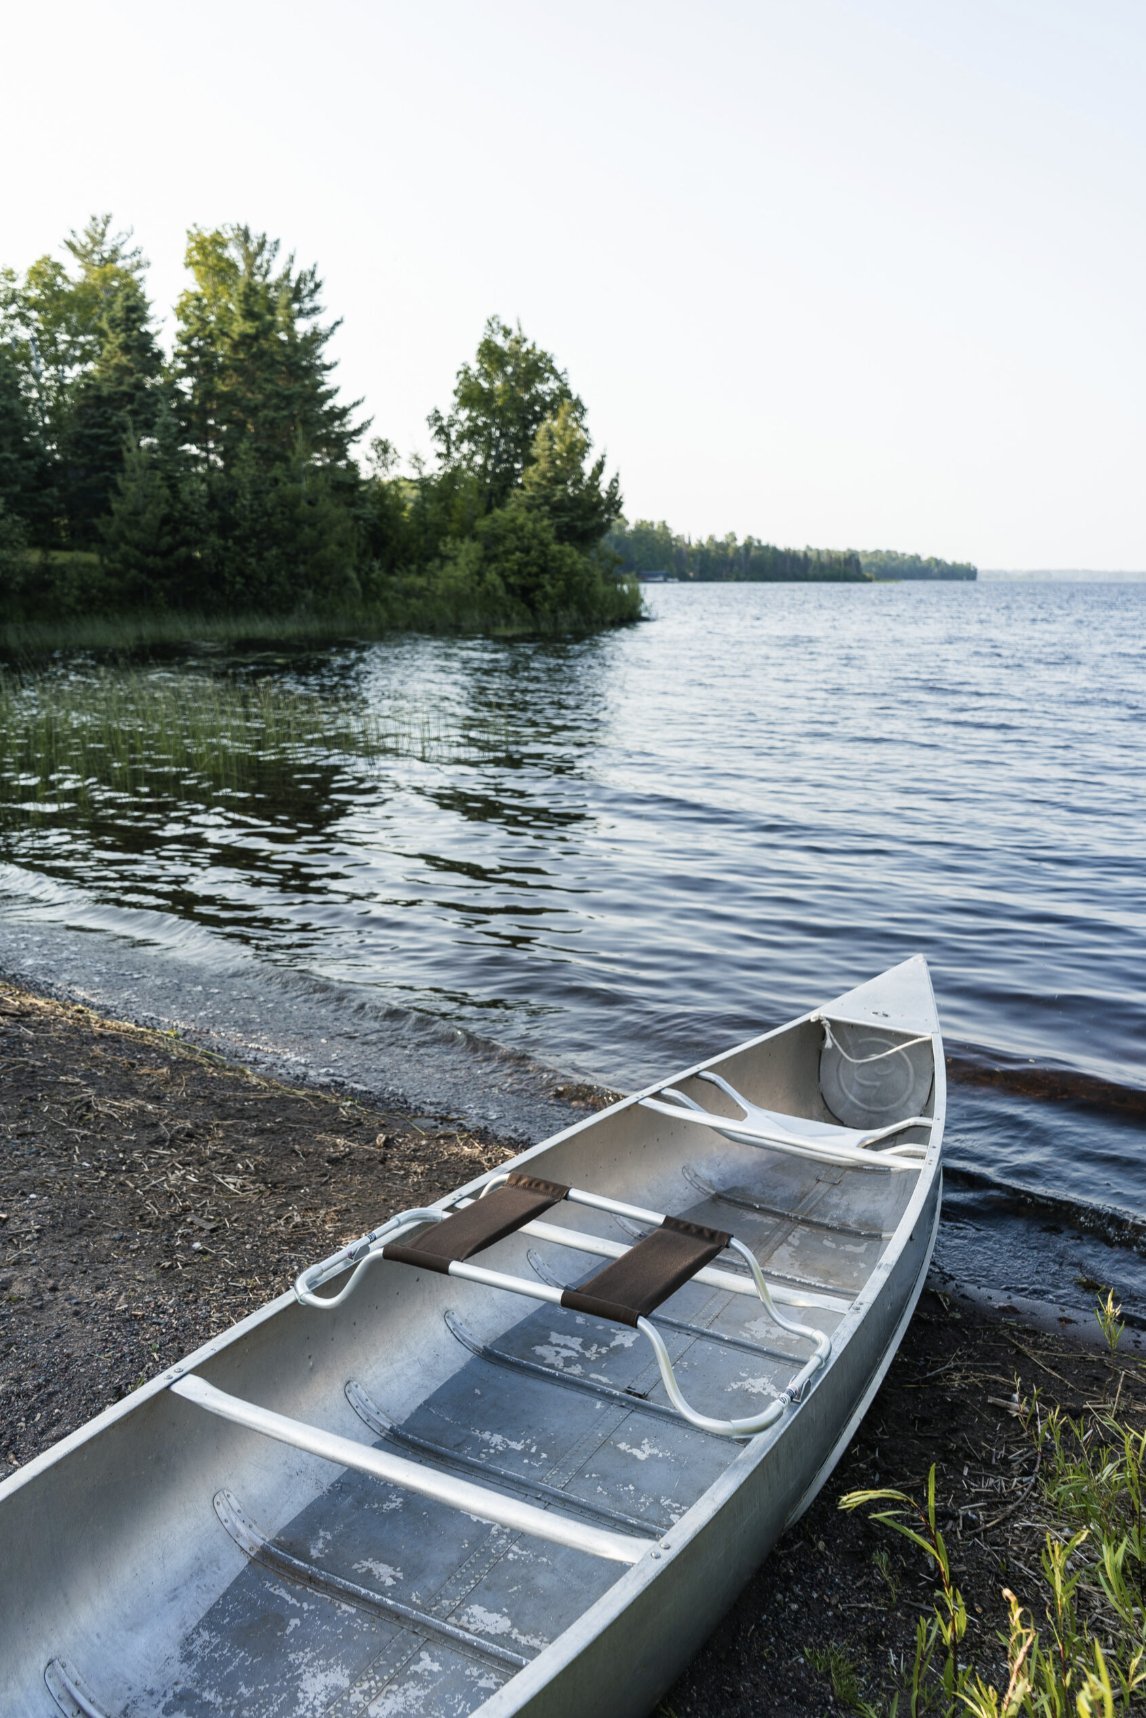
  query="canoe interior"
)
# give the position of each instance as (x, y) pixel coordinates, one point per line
(172, 1563)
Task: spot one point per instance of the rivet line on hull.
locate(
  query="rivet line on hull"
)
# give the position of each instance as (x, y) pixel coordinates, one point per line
(371, 1415)
(261, 1549)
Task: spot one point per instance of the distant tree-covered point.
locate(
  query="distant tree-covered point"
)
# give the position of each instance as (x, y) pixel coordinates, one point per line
(651, 550)
(889, 564)
(221, 478)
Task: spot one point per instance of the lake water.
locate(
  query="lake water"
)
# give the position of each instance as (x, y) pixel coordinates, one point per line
(614, 856)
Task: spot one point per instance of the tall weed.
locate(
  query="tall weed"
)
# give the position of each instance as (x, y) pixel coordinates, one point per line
(1077, 1647)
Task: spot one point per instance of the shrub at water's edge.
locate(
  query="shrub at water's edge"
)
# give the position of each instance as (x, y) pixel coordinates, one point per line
(446, 599)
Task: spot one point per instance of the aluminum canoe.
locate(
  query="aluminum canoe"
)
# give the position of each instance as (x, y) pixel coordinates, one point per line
(406, 1490)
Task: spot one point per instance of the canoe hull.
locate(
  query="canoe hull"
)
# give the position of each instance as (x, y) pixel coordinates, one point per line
(118, 1565)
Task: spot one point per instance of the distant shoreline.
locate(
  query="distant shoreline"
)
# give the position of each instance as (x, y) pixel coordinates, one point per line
(997, 575)
(1066, 575)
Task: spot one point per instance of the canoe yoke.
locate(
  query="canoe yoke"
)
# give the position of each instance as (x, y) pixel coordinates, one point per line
(624, 1291)
(800, 1136)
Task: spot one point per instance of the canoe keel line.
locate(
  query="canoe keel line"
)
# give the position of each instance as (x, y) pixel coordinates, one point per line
(612, 1372)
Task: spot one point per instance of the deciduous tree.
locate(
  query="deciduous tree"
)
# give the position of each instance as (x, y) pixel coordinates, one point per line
(500, 402)
(54, 319)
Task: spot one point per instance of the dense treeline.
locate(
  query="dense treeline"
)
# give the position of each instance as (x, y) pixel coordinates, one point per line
(221, 478)
(889, 564)
(646, 548)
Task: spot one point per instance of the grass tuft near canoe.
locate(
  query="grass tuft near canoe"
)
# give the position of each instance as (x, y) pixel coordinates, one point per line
(517, 1451)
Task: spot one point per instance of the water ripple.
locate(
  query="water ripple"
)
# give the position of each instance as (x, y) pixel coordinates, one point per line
(628, 850)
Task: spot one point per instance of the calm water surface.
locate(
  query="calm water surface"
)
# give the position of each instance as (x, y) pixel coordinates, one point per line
(629, 851)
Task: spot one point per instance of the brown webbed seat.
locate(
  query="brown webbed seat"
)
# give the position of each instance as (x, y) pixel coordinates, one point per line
(624, 1291)
(634, 1285)
(468, 1231)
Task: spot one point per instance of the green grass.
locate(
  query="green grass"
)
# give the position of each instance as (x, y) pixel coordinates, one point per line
(410, 607)
(1075, 1645)
(133, 634)
(833, 1663)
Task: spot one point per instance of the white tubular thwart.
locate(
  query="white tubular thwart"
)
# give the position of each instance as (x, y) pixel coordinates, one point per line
(478, 1500)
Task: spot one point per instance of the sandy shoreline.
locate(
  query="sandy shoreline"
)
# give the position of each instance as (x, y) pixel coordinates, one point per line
(151, 1194)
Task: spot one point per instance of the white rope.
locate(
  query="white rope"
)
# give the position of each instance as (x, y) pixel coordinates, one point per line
(862, 1061)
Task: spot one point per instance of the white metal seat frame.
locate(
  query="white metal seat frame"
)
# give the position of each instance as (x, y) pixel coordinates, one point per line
(798, 1136)
(360, 1254)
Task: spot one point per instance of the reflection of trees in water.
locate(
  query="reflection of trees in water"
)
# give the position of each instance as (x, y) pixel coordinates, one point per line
(529, 712)
(551, 700)
(156, 847)
(526, 812)
(141, 785)
(553, 695)
(81, 748)
(528, 717)
(546, 698)
(211, 788)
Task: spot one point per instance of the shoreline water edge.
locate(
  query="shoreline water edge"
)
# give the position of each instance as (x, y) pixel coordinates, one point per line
(153, 1191)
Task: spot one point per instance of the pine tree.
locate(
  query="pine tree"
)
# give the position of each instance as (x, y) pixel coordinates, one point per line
(54, 324)
(152, 535)
(250, 355)
(578, 503)
(268, 437)
(116, 405)
(55, 316)
(319, 532)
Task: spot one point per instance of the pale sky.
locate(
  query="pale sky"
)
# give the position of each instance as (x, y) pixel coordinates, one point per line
(864, 273)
